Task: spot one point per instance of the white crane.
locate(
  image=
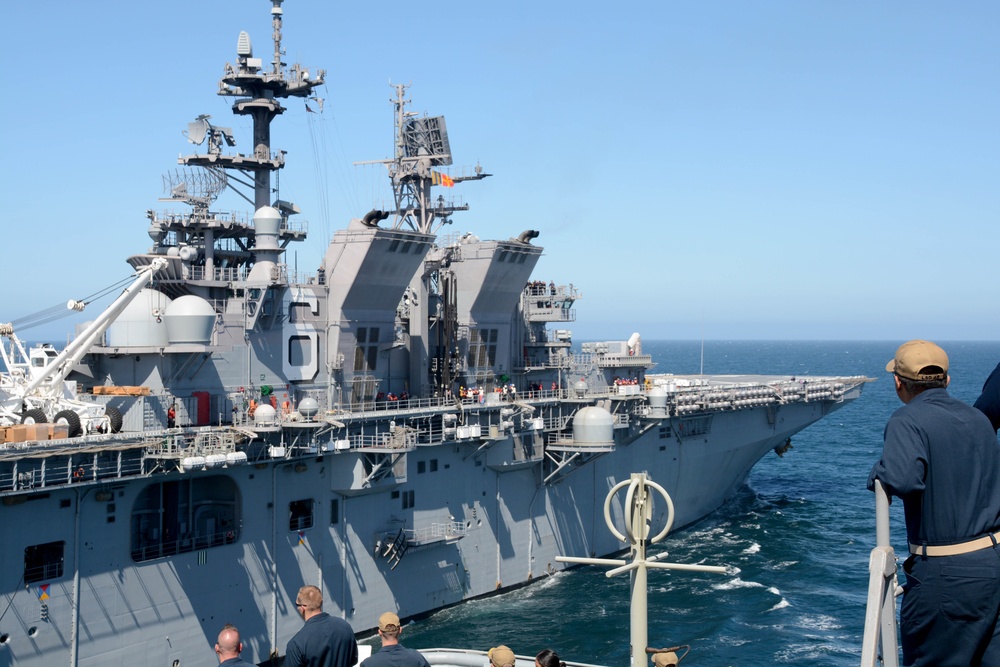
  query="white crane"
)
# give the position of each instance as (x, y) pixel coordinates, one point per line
(34, 387)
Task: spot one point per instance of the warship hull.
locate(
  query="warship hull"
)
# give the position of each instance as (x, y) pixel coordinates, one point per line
(477, 516)
(407, 427)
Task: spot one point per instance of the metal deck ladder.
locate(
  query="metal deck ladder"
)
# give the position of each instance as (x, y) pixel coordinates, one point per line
(879, 646)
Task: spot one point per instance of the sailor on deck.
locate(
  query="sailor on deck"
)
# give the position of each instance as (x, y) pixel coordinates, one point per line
(228, 648)
(989, 401)
(942, 458)
(501, 656)
(392, 653)
(324, 641)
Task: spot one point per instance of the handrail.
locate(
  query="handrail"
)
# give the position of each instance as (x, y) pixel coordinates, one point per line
(880, 614)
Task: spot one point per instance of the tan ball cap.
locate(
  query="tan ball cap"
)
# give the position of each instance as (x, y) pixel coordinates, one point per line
(388, 621)
(501, 656)
(919, 360)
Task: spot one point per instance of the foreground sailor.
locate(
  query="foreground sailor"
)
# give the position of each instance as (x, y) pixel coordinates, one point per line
(989, 401)
(942, 458)
(548, 658)
(228, 648)
(501, 656)
(392, 653)
(324, 641)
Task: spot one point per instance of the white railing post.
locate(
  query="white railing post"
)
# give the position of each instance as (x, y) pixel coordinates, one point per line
(880, 614)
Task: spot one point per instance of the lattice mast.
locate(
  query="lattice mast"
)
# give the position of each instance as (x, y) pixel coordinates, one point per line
(258, 92)
(421, 145)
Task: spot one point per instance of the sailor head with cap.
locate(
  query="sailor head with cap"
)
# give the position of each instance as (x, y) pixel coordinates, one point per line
(919, 361)
(941, 458)
(665, 659)
(392, 653)
(501, 656)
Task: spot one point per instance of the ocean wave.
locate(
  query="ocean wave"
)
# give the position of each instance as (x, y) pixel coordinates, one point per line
(801, 653)
(736, 583)
(730, 640)
(783, 565)
(819, 622)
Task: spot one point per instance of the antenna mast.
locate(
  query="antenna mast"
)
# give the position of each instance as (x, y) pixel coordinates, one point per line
(258, 94)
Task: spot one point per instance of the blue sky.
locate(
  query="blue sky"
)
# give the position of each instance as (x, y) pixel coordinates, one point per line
(727, 170)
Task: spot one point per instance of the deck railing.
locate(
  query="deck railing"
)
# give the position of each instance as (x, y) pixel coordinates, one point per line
(879, 646)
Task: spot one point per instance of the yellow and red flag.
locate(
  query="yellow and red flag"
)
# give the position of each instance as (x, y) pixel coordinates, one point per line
(437, 178)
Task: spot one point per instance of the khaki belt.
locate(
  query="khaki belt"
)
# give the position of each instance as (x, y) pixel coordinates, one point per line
(956, 549)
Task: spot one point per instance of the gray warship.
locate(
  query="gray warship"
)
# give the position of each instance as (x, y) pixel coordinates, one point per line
(409, 426)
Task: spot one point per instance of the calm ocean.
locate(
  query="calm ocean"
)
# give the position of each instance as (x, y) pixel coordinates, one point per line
(798, 537)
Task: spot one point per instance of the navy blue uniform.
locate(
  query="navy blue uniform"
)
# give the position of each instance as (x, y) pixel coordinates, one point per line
(324, 641)
(396, 655)
(942, 458)
(989, 401)
(235, 662)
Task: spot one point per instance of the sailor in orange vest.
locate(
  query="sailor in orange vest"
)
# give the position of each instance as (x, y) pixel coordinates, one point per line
(171, 417)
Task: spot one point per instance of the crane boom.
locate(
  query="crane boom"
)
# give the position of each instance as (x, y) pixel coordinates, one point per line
(59, 368)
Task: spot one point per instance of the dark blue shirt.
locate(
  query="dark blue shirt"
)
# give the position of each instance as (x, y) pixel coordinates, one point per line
(235, 662)
(942, 458)
(396, 655)
(989, 401)
(324, 641)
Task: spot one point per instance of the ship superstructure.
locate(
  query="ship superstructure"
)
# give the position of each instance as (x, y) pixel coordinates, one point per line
(408, 427)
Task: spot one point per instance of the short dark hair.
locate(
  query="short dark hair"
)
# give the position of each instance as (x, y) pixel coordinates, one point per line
(917, 386)
(548, 658)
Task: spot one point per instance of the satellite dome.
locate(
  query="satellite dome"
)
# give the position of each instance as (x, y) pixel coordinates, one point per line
(265, 414)
(593, 426)
(266, 220)
(308, 407)
(141, 322)
(156, 232)
(657, 396)
(190, 319)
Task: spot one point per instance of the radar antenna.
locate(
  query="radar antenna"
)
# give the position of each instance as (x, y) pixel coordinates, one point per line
(421, 145)
(258, 90)
(200, 129)
(196, 186)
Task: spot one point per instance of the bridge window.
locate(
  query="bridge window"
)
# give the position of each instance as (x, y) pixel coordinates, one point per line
(482, 347)
(366, 352)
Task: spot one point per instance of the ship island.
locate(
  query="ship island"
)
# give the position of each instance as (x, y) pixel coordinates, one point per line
(408, 426)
